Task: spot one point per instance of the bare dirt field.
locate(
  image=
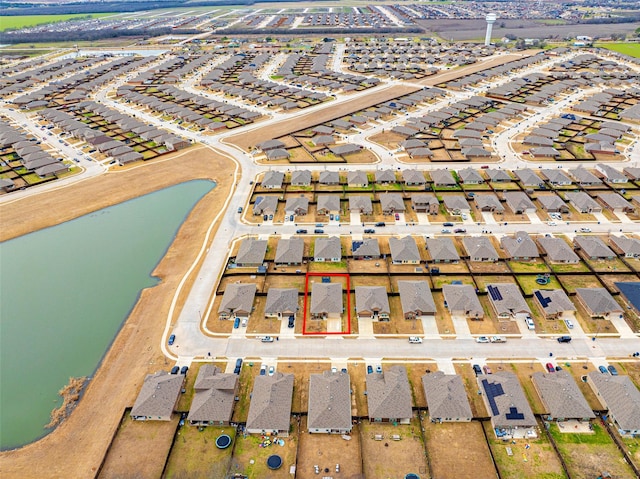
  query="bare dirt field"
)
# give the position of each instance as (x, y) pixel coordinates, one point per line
(459, 447)
(135, 352)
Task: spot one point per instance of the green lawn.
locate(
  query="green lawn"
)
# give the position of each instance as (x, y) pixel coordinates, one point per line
(631, 49)
(21, 21)
(528, 283)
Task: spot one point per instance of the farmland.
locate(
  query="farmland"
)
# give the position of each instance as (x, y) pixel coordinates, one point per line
(22, 21)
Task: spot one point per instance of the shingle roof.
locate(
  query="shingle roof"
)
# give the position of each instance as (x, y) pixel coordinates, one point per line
(372, 298)
(553, 301)
(416, 297)
(480, 247)
(404, 249)
(622, 398)
(366, 247)
(462, 297)
(158, 395)
(251, 251)
(361, 203)
(509, 299)
(455, 201)
(392, 202)
(519, 201)
(328, 202)
(329, 401)
(626, 245)
(327, 248)
(389, 394)
(582, 201)
(561, 396)
(593, 246)
(215, 395)
(281, 300)
(270, 407)
(520, 246)
(289, 250)
(326, 298)
(442, 177)
(512, 397)
(598, 300)
(237, 297)
(558, 250)
(442, 249)
(446, 396)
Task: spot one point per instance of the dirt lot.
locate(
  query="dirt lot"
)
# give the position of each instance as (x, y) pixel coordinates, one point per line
(153, 437)
(327, 450)
(134, 352)
(459, 447)
(391, 458)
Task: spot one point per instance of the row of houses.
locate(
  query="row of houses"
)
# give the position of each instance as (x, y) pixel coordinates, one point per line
(389, 399)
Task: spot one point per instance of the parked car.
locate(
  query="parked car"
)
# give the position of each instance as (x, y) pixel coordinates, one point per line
(369, 231)
(369, 369)
(558, 368)
(318, 231)
(184, 369)
(486, 369)
(175, 369)
(239, 209)
(397, 216)
(482, 339)
(530, 324)
(263, 370)
(272, 370)
(477, 369)
(445, 231)
(564, 339)
(569, 323)
(585, 230)
(459, 230)
(415, 340)
(301, 232)
(552, 223)
(172, 339)
(612, 370)
(448, 223)
(267, 339)
(236, 323)
(238, 366)
(551, 368)
(603, 370)
(498, 339)
(378, 368)
(380, 223)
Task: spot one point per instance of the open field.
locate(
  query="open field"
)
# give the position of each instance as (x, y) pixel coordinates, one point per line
(22, 21)
(631, 49)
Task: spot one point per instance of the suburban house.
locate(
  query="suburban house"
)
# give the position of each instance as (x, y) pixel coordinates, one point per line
(301, 178)
(584, 177)
(345, 149)
(519, 202)
(554, 303)
(507, 301)
(442, 178)
(265, 205)
(561, 396)
(214, 397)
(391, 203)
(357, 179)
(326, 301)
(289, 251)
(270, 407)
(593, 247)
(480, 248)
(270, 145)
(361, 204)
(553, 203)
(582, 202)
(385, 177)
(511, 415)
(462, 300)
(281, 303)
(329, 403)
(599, 303)
(520, 247)
(329, 178)
(328, 250)
(296, 205)
(278, 154)
(237, 301)
(456, 204)
(413, 178)
(470, 176)
(556, 177)
(621, 397)
(498, 176)
(616, 203)
(328, 204)
(272, 180)
(446, 398)
(158, 397)
(629, 247)
(557, 250)
(416, 300)
(488, 202)
(611, 175)
(367, 248)
(442, 250)
(389, 396)
(372, 302)
(404, 250)
(251, 252)
(425, 203)
(528, 178)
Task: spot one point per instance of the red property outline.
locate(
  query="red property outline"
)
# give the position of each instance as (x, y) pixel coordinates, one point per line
(306, 297)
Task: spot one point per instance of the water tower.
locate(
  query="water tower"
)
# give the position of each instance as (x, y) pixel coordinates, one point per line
(491, 19)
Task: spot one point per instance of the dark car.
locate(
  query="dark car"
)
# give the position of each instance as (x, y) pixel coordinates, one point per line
(369, 231)
(564, 339)
(184, 369)
(477, 369)
(380, 223)
(612, 370)
(459, 230)
(172, 339)
(292, 321)
(551, 368)
(558, 368)
(447, 224)
(301, 232)
(175, 369)
(318, 231)
(369, 369)
(603, 370)
(238, 366)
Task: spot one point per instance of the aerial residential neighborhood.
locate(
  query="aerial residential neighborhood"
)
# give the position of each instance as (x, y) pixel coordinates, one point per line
(399, 240)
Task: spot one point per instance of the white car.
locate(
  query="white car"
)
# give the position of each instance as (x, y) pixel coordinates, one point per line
(552, 223)
(498, 339)
(530, 324)
(585, 230)
(482, 339)
(569, 323)
(415, 340)
(267, 339)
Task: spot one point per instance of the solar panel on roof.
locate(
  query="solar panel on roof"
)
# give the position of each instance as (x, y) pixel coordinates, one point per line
(495, 293)
(543, 301)
(514, 414)
(492, 390)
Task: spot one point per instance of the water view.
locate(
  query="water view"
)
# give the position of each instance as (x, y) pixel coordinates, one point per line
(64, 294)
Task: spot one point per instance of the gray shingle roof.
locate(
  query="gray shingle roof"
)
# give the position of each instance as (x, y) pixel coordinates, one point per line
(518, 201)
(488, 201)
(416, 298)
(270, 407)
(370, 299)
(237, 298)
(598, 301)
(357, 178)
(442, 249)
(389, 394)
(281, 300)
(520, 246)
(446, 396)
(361, 203)
(413, 177)
(367, 247)
(629, 246)
(480, 247)
(404, 249)
(158, 395)
(329, 177)
(528, 177)
(326, 298)
(327, 248)
(251, 251)
(561, 396)
(328, 202)
(329, 401)
(511, 302)
(289, 251)
(272, 179)
(462, 297)
(583, 202)
(593, 246)
(442, 177)
(265, 204)
(512, 397)
(455, 201)
(214, 395)
(558, 250)
(392, 202)
(621, 397)
(554, 301)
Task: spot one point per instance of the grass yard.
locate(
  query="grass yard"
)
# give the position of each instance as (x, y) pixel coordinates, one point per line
(478, 407)
(631, 49)
(459, 447)
(22, 21)
(587, 455)
(392, 458)
(194, 453)
(539, 460)
(537, 266)
(528, 283)
(152, 437)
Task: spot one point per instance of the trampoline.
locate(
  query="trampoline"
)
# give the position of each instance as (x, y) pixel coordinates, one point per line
(411, 475)
(274, 462)
(223, 442)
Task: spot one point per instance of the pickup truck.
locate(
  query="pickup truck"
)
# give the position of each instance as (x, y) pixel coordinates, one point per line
(497, 339)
